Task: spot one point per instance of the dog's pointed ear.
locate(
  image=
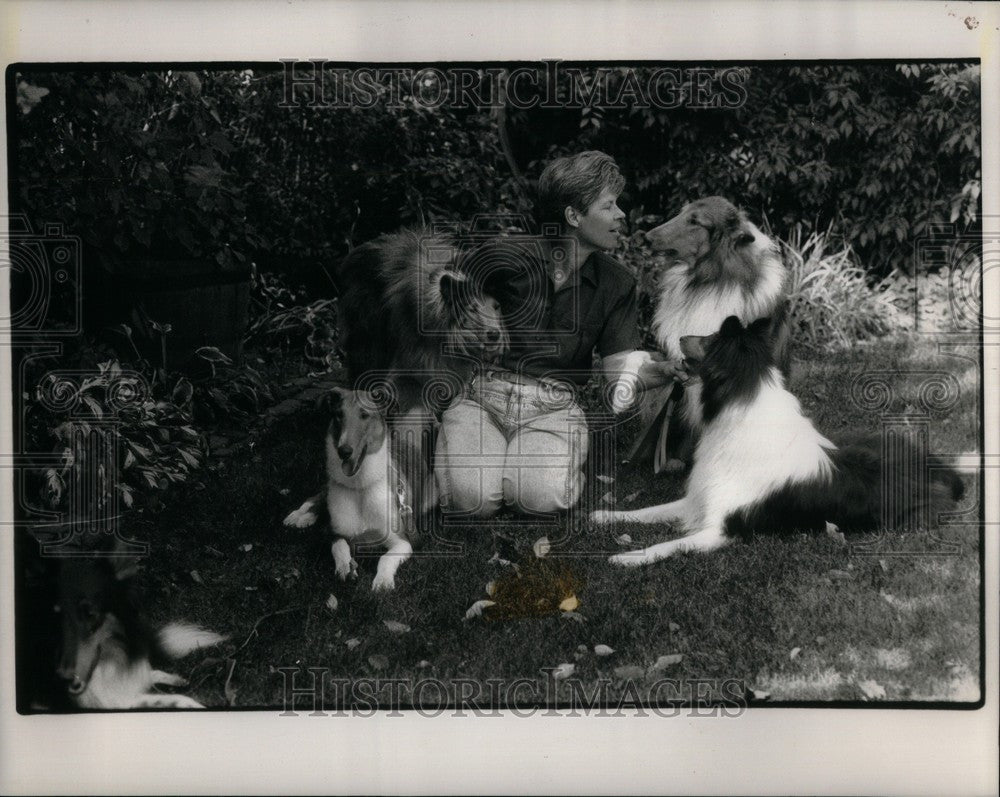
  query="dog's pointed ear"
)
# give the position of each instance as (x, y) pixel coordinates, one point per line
(331, 399)
(731, 326)
(452, 286)
(760, 326)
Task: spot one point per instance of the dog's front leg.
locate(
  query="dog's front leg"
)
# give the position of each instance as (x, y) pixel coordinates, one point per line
(385, 576)
(674, 512)
(305, 515)
(705, 540)
(344, 564)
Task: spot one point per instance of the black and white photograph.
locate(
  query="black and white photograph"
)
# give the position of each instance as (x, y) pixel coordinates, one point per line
(582, 390)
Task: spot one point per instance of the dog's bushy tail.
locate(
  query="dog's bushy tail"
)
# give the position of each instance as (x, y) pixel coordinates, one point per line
(179, 639)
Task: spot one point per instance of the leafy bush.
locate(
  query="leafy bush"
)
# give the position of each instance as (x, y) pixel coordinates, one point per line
(113, 415)
(284, 320)
(831, 303)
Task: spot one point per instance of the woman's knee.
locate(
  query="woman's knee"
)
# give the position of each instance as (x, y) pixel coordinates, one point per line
(544, 490)
(471, 491)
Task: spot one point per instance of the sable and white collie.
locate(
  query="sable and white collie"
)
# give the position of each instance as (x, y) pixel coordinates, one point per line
(379, 486)
(761, 466)
(109, 652)
(410, 314)
(722, 266)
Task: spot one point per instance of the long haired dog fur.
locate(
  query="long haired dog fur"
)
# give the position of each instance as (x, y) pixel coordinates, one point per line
(761, 466)
(109, 652)
(379, 486)
(722, 265)
(410, 312)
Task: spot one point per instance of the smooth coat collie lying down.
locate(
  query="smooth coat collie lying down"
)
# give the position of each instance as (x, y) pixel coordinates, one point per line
(373, 495)
(760, 464)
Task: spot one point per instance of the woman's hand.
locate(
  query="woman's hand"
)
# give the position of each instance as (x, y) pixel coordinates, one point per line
(658, 370)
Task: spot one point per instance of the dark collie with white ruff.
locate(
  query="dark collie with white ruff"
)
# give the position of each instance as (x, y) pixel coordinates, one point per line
(761, 466)
(109, 652)
(379, 486)
(720, 265)
(410, 314)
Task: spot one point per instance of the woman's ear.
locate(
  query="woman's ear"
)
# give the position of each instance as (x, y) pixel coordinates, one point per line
(572, 216)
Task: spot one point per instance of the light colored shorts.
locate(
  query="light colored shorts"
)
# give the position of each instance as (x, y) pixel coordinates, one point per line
(512, 439)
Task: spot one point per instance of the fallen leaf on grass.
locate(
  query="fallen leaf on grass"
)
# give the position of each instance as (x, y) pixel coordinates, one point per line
(395, 627)
(760, 694)
(605, 479)
(563, 671)
(423, 664)
(542, 547)
(247, 547)
(794, 653)
(332, 603)
(378, 661)
(628, 499)
(623, 539)
(666, 661)
(674, 627)
(608, 498)
(196, 577)
(629, 672)
(834, 533)
(476, 609)
(352, 643)
(872, 690)
(284, 491)
(603, 650)
(569, 604)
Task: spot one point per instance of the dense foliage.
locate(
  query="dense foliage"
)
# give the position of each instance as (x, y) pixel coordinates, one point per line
(210, 164)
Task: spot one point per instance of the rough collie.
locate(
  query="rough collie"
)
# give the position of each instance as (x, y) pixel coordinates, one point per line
(379, 486)
(761, 466)
(109, 651)
(411, 316)
(721, 265)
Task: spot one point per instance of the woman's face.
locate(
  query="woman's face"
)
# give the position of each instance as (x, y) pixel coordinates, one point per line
(603, 222)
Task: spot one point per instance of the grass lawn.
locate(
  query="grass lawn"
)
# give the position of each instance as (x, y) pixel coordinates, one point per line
(801, 618)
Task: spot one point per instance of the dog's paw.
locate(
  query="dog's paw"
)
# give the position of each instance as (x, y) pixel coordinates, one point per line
(346, 570)
(383, 583)
(602, 517)
(627, 559)
(300, 519)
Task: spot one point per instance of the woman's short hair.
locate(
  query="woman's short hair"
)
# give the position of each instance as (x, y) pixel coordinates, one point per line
(575, 181)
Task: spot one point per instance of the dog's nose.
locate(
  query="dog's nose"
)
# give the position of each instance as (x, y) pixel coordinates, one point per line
(345, 452)
(493, 336)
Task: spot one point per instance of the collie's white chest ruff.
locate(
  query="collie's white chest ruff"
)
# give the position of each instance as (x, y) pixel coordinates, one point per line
(688, 309)
(363, 507)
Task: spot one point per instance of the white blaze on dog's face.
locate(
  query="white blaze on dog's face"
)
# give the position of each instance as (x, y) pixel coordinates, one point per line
(85, 589)
(356, 427)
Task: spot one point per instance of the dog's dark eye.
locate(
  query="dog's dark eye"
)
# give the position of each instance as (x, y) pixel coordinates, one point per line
(693, 220)
(365, 415)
